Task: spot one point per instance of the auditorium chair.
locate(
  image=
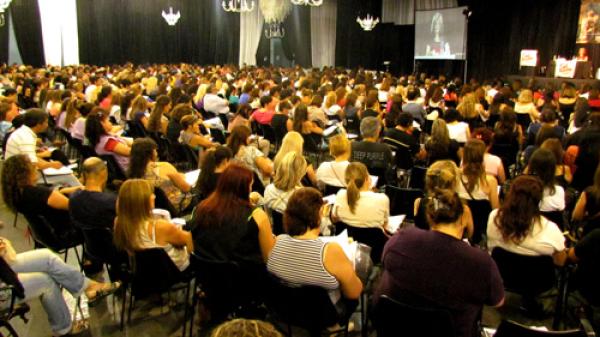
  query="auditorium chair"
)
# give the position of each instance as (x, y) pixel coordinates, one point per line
(402, 200)
(513, 329)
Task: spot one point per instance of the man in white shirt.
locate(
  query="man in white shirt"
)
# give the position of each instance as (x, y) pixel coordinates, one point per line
(24, 140)
(214, 103)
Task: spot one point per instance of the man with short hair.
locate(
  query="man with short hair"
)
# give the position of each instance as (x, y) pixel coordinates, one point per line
(415, 109)
(264, 115)
(215, 103)
(24, 140)
(92, 207)
(403, 135)
(376, 156)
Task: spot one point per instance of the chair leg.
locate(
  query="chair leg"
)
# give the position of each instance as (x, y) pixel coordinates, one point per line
(363, 315)
(131, 299)
(123, 308)
(15, 220)
(11, 331)
(186, 311)
(66, 254)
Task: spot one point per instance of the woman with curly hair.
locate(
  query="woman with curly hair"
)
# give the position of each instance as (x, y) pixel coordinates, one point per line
(518, 227)
(42, 273)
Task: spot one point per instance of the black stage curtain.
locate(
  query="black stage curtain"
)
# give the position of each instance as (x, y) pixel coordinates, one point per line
(4, 40)
(498, 30)
(296, 42)
(28, 31)
(136, 32)
(354, 46)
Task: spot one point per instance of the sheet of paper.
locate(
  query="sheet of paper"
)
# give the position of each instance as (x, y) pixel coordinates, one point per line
(58, 172)
(330, 199)
(394, 222)
(192, 177)
(327, 132)
(352, 136)
(343, 240)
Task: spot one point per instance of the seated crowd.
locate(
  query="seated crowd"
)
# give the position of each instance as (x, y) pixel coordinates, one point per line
(288, 156)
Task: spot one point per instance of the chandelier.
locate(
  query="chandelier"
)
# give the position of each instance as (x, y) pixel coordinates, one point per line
(367, 23)
(238, 6)
(274, 30)
(3, 6)
(171, 17)
(308, 2)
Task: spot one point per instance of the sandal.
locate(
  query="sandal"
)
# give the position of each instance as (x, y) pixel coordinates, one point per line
(78, 327)
(102, 293)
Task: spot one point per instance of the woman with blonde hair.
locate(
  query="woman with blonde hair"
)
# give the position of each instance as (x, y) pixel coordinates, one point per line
(288, 178)
(477, 187)
(441, 175)
(333, 173)
(332, 109)
(247, 328)
(136, 229)
(525, 107)
(358, 205)
(471, 110)
(294, 142)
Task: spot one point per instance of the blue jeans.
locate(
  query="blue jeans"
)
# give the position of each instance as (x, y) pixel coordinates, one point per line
(42, 273)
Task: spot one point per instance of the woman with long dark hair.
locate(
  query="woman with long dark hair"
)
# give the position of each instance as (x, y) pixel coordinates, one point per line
(543, 165)
(213, 164)
(518, 227)
(97, 132)
(145, 165)
(251, 157)
(158, 121)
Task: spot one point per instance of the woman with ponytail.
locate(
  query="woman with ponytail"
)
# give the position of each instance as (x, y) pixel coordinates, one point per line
(357, 205)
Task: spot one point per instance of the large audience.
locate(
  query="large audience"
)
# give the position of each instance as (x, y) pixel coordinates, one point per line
(289, 156)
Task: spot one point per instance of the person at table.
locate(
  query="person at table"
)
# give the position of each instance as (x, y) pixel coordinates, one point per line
(24, 140)
(413, 255)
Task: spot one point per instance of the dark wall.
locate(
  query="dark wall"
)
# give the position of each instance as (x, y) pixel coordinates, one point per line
(118, 31)
(498, 30)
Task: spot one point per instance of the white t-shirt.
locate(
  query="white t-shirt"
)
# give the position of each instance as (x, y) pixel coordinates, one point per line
(277, 199)
(458, 131)
(492, 164)
(372, 209)
(333, 173)
(553, 202)
(544, 239)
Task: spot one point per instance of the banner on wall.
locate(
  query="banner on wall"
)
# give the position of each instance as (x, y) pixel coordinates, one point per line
(528, 58)
(589, 22)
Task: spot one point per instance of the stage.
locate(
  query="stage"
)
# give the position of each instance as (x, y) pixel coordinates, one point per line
(555, 82)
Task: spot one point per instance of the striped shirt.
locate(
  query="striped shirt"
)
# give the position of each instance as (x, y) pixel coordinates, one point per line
(22, 141)
(300, 263)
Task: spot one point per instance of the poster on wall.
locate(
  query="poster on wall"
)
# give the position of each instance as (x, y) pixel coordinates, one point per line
(589, 22)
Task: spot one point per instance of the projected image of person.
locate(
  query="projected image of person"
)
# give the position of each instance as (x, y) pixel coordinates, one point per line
(438, 46)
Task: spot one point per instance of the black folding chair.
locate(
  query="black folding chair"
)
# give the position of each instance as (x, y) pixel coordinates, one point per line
(402, 200)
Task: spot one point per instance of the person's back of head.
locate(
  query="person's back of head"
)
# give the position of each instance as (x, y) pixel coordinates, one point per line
(339, 145)
(405, 120)
(543, 165)
(134, 209)
(520, 208)
(290, 171)
(413, 94)
(444, 207)
(356, 177)
(370, 127)
(34, 117)
(142, 153)
(441, 175)
(94, 170)
(303, 212)
(245, 328)
(451, 115)
(265, 100)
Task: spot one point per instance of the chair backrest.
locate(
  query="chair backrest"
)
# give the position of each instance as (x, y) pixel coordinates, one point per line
(163, 145)
(218, 136)
(394, 318)
(153, 272)
(114, 170)
(224, 120)
(402, 200)
(99, 244)
(162, 201)
(523, 274)
(330, 189)
(507, 153)
(372, 237)
(403, 158)
(220, 282)
(308, 307)
(268, 133)
(514, 329)
(417, 177)
(277, 223)
(136, 129)
(480, 211)
(46, 235)
(557, 217)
